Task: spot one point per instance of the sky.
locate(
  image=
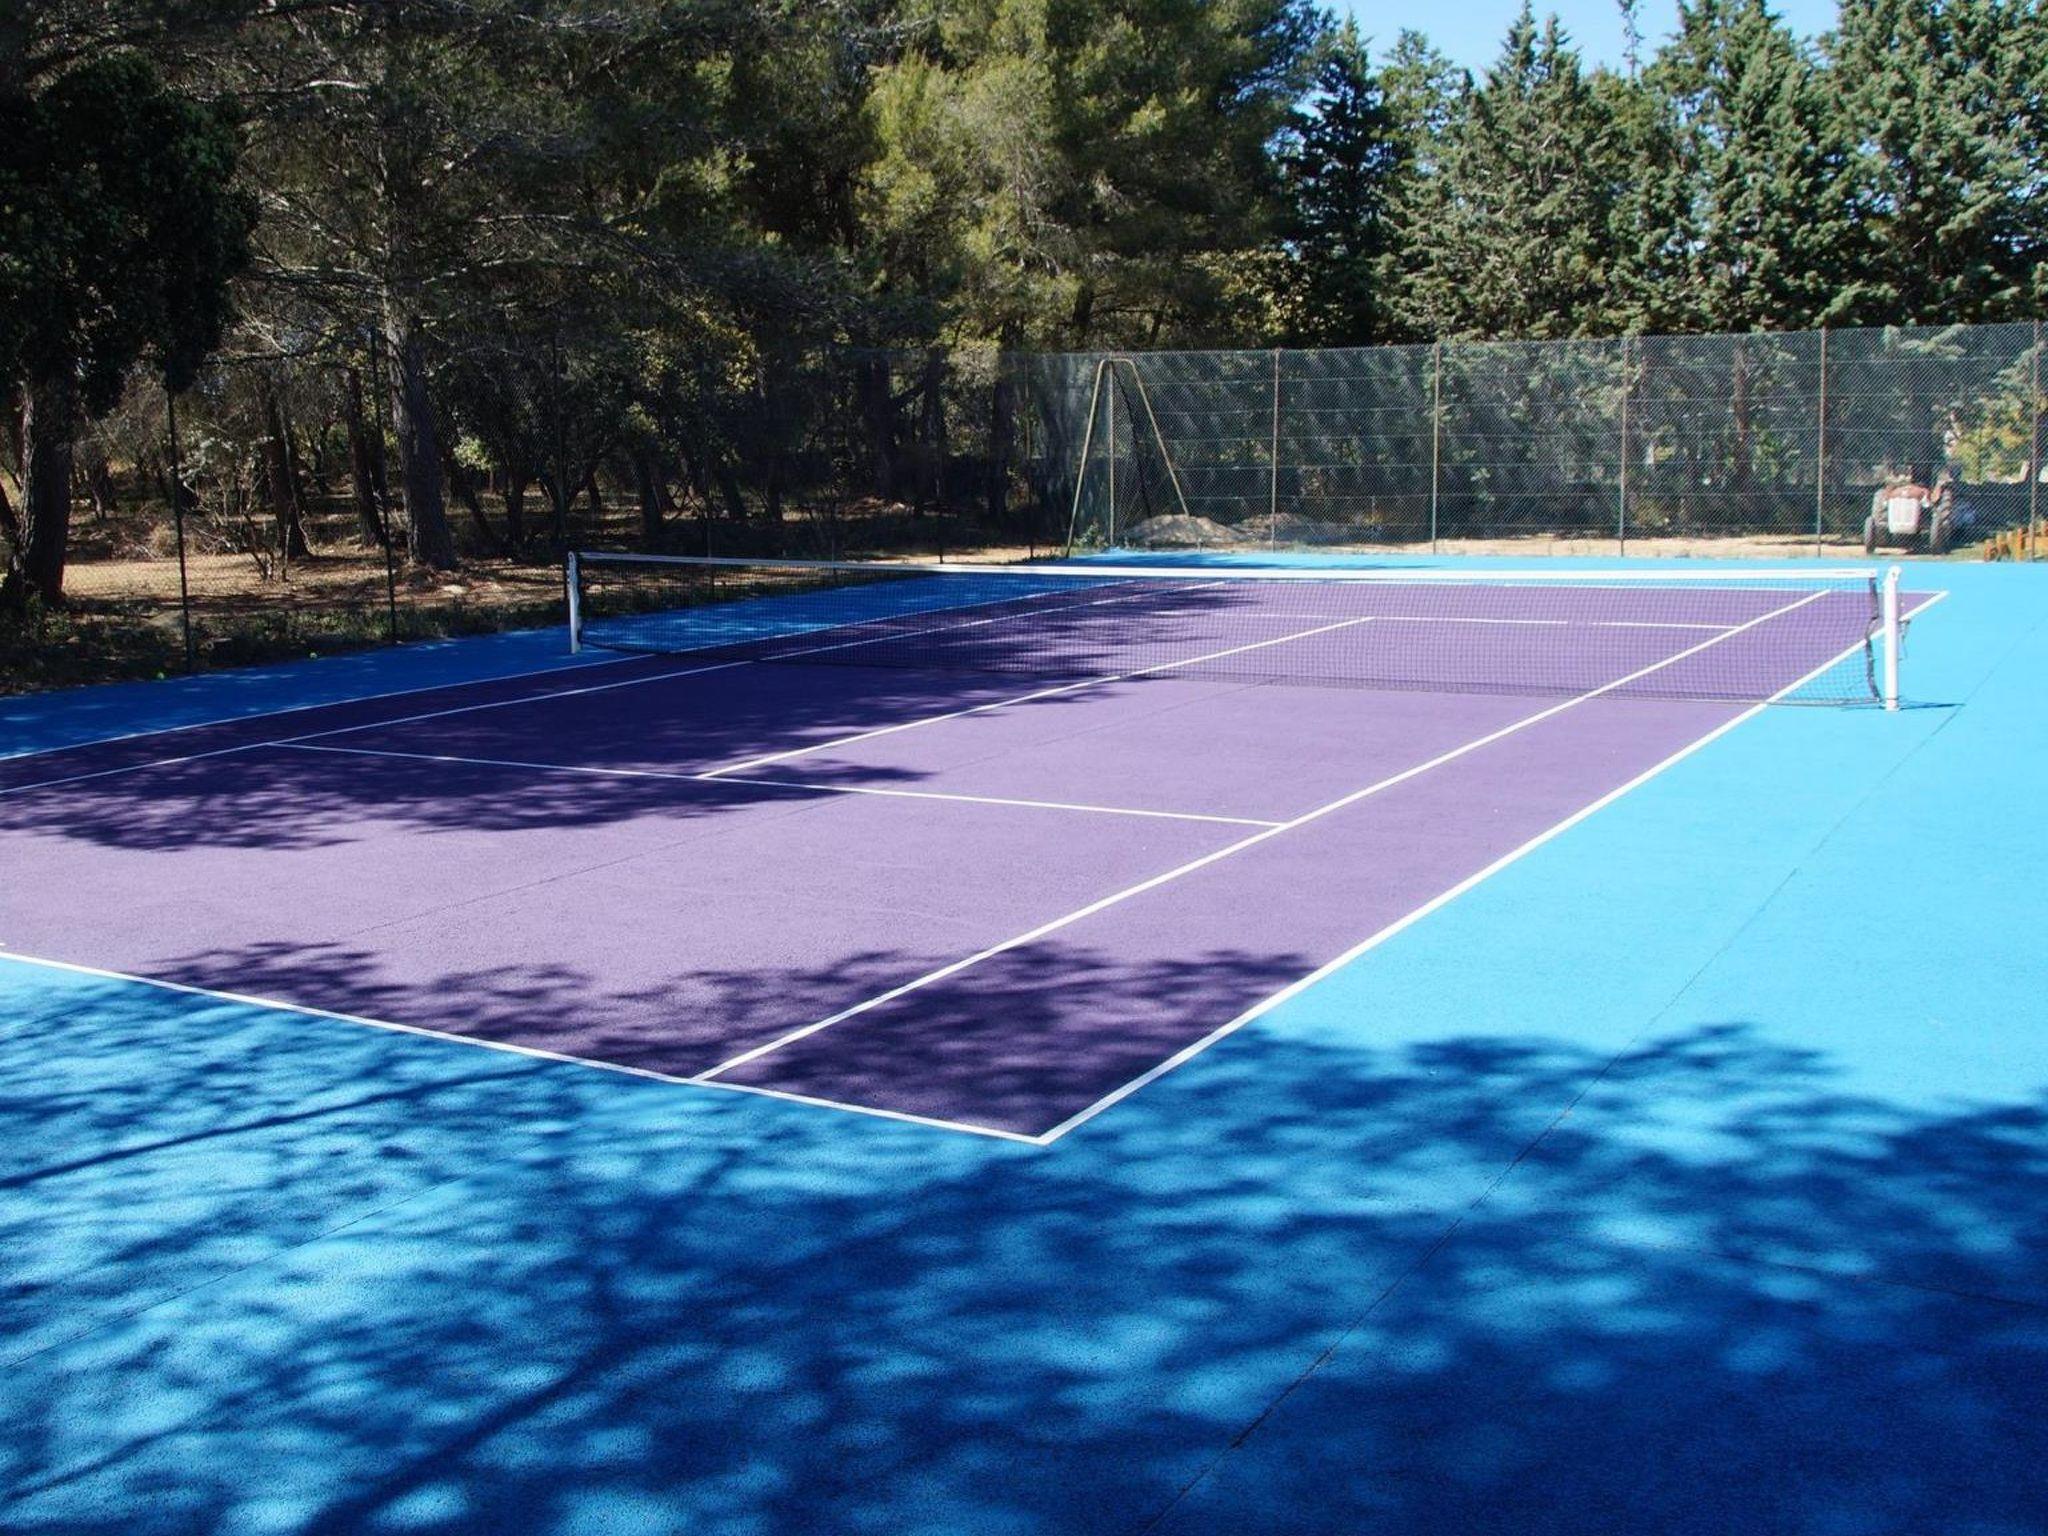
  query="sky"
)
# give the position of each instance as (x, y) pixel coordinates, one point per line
(1469, 31)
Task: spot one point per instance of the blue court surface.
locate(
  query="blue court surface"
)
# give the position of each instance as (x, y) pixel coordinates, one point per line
(1686, 1173)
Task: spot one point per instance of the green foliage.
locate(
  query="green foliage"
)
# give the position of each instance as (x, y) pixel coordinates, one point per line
(1339, 161)
(1077, 170)
(120, 227)
(1946, 102)
(1740, 215)
(1513, 234)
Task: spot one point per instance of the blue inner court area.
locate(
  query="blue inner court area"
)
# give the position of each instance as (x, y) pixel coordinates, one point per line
(1687, 1174)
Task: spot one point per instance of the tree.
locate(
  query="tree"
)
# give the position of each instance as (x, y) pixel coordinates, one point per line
(1946, 101)
(1081, 170)
(1742, 218)
(1427, 97)
(1338, 165)
(122, 233)
(1513, 235)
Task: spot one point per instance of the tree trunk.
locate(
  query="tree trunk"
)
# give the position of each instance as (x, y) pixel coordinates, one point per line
(282, 483)
(101, 486)
(49, 418)
(935, 425)
(463, 484)
(419, 446)
(647, 487)
(559, 491)
(514, 495)
(362, 465)
(1002, 419)
(876, 411)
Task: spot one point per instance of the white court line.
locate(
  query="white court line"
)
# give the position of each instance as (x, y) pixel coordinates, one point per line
(564, 665)
(1025, 698)
(367, 725)
(1044, 1138)
(472, 709)
(1447, 618)
(1153, 883)
(1435, 903)
(532, 1052)
(809, 785)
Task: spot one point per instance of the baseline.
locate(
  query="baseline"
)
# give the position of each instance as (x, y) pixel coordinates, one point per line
(507, 1047)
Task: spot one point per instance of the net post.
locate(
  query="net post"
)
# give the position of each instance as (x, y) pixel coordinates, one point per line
(1889, 612)
(572, 581)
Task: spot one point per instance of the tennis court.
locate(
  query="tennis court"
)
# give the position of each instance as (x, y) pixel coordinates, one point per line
(1462, 1056)
(819, 835)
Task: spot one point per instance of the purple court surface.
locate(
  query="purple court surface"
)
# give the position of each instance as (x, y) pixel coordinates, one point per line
(949, 895)
(1672, 1157)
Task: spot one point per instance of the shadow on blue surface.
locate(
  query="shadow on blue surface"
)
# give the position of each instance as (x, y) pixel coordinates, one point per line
(303, 1277)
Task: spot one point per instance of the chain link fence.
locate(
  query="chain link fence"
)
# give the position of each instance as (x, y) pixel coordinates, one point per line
(1740, 445)
(264, 513)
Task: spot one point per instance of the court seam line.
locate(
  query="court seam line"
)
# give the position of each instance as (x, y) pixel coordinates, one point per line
(1433, 905)
(765, 759)
(953, 968)
(788, 784)
(509, 1047)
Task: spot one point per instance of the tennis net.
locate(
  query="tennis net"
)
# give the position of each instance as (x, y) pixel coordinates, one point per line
(1806, 636)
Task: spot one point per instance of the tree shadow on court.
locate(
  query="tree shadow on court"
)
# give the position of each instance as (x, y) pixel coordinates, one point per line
(264, 1271)
(224, 787)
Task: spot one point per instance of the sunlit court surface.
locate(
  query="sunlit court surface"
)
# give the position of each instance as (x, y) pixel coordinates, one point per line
(1311, 1045)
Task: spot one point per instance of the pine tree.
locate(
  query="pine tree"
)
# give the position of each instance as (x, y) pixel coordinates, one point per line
(1338, 166)
(1427, 97)
(1945, 99)
(1516, 239)
(1741, 216)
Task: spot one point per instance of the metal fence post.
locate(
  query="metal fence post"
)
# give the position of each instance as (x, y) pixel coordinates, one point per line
(178, 524)
(2034, 438)
(1621, 480)
(1436, 431)
(1110, 403)
(1820, 456)
(1273, 495)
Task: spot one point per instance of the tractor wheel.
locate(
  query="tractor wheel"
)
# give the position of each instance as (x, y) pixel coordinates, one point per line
(1870, 534)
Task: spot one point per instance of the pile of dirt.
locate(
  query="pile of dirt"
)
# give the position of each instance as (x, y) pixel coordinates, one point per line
(1178, 531)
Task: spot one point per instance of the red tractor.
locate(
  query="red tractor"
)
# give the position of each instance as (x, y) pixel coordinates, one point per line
(1908, 511)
